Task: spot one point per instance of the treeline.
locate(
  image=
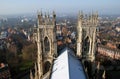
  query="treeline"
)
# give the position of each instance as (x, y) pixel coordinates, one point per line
(18, 53)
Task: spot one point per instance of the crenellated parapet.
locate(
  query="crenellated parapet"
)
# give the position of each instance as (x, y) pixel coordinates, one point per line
(46, 19)
(88, 20)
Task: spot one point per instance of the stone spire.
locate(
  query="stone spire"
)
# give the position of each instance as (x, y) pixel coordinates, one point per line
(41, 13)
(48, 16)
(40, 17)
(45, 15)
(54, 18)
(80, 16)
(54, 14)
(96, 18)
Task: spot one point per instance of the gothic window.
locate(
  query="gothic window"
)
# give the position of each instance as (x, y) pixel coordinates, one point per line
(46, 44)
(86, 45)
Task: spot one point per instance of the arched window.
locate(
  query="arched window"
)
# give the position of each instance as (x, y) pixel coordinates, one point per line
(46, 67)
(86, 45)
(46, 44)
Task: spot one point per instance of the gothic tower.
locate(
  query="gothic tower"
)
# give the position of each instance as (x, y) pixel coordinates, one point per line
(86, 39)
(46, 42)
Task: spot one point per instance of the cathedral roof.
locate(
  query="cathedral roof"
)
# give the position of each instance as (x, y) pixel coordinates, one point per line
(67, 66)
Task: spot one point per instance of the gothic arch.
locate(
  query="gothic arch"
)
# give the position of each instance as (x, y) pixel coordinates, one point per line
(86, 45)
(46, 44)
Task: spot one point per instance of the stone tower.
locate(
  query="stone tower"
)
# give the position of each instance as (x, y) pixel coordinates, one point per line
(86, 41)
(46, 43)
(86, 37)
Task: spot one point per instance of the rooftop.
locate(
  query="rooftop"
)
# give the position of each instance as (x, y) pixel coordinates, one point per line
(67, 66)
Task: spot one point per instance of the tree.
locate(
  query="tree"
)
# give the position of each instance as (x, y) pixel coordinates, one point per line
(29, 52)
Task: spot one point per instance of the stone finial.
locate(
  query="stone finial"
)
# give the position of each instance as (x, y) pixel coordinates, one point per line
(54, 18)
(96, 14)
(41, 13)
(96, 18)
(40, 18)
(48, 15)
(54, 14)
(80, 15)
(45, 15)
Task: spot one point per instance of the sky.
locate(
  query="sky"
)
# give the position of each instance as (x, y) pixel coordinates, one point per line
(8, 7)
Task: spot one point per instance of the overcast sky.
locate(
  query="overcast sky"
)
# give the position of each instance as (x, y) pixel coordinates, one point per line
(60, 6)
